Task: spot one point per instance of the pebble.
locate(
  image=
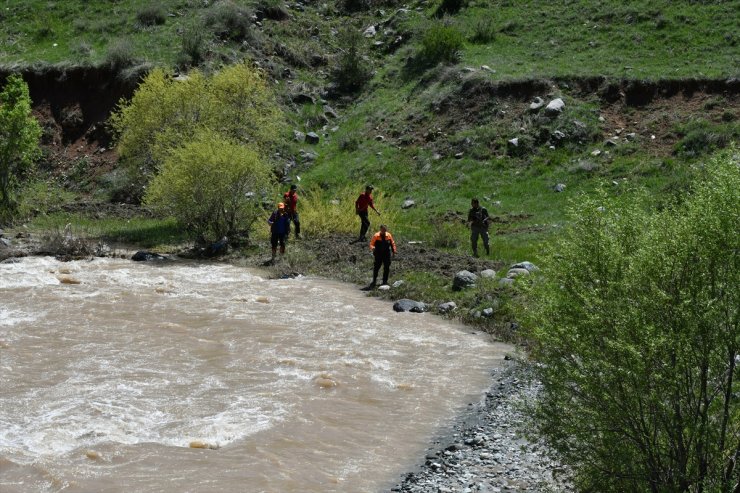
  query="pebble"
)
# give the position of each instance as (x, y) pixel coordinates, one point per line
(486, 451)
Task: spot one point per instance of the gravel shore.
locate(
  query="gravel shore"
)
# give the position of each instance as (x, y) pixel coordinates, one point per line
(486, 450)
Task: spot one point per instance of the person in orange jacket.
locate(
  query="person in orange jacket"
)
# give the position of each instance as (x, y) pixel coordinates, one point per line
(383, 248)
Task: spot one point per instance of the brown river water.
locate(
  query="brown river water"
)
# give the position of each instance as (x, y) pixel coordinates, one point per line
(118, 376)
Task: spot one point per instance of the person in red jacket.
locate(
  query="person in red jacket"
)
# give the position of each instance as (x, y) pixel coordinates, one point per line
(363, 202)
(383, 248)
(291, 201)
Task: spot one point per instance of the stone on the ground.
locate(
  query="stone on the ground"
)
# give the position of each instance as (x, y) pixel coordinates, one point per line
(312, 138)
(514, 142)
(537, 104)
(408, 204)
(329, 112)
(505, 281)
(555, 107)
(526, 265)
(299, 136)
(447, 307)
(464, 279)
(406, 305)
(517, 273)
(398, 283)
(4, 243)
(488, 273)
(384, 287)
(488, 312)
(560, 187)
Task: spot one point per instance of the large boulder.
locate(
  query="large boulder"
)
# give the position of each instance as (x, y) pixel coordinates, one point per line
(406, 305)
(464, 279)
(144, 256)
(447, 307)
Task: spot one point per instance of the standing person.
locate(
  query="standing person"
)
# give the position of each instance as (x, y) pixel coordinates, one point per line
(362, 203)
(279, 227)
(478, 221)
(291, 201)
(383, 248)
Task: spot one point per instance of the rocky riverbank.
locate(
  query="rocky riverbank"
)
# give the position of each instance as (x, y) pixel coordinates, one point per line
(487, 450)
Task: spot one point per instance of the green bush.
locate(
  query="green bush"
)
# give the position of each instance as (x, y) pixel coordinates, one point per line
(165, 113)
(702, 137)
(229, 21)
(192, 47)
(211, 185)
(151, 15)
(440, 43)
(483, 32)
(449, 7)
(19, 141)
(120, 54)
(351, 71)
(634, 326)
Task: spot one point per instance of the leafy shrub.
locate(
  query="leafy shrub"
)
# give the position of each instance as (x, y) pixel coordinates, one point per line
(323, 214)
(151, 15)
(449, 7)
(192, 47)
(165, 113)
(211, 185)
(701, 137)
(483, 32)
(120, 54)
(19, 141)
(351, 71)
(229, 21)
(440, 43)
(634, 324)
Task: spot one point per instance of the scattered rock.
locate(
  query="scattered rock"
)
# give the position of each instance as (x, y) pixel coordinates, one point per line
(560, 187)
(514, 142)
(312, 138)
(370, 32)
(488, 312)
(517, 272)
(447, 307)
(611, 142)
(464, 279)
(537, 104)
(596, 152)
(144, 256)
(488, 274)
(408, 204)
(384, 287)
(555, 107)
(406, 305)
(299, 136)
(526, 265)
(487, 69)
(398, 283)
(329, 112)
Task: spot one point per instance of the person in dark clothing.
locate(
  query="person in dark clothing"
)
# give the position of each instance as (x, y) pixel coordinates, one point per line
(291, 201)
(383, 248)
(478, 221)
(363, 202)
(279, 226)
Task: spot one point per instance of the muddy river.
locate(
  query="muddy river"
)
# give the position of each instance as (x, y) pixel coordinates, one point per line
(118, 376)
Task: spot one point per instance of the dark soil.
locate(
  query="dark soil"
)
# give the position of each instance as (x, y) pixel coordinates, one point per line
(340, 257)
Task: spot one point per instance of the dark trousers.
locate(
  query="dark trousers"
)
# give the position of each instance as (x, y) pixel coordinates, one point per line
(294, 218)
(365, 223)
(385, 261)
(483, 233)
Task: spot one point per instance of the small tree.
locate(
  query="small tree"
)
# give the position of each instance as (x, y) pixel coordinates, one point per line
(351, 71)
(211, 185)
(19, 140)
(166, 113)
(635, 331)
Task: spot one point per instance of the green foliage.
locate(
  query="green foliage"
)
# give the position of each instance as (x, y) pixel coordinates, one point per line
(164, 114)
(229, 21)
(151, 15)
(120, 54)
(483, 32)
(192, 48)
(449, 7)
(211, 185)
(700, 137)
(635, 328)
(440, 44)
(19, 141)
(323, 214)
(351, 71)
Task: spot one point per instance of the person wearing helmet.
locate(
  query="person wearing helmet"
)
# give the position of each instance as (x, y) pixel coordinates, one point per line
(363, 202)
(383, 248)
(279, 227)
(291, 201)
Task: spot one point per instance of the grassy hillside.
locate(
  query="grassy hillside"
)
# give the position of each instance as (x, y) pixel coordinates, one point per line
(647, 87)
